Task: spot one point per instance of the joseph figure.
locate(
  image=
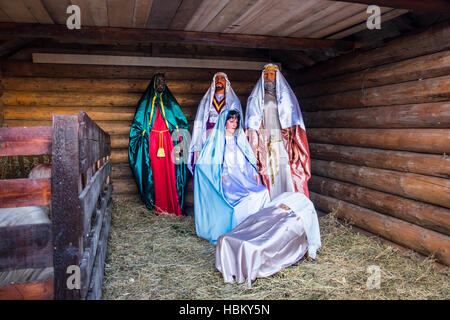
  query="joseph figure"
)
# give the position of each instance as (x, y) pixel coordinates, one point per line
(155, 135)
(219, 97)
(277, 134)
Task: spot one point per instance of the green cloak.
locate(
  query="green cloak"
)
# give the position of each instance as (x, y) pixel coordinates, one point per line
(138, 149)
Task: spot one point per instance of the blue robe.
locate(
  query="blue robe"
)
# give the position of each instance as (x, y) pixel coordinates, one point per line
(216, 203)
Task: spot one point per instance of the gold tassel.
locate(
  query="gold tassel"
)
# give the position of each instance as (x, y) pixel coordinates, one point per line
(161, 153)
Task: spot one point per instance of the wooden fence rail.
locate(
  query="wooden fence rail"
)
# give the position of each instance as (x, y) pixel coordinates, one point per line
(79, 193)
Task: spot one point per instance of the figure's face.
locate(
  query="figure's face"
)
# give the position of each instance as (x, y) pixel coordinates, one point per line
(231, 125)
(160, 83)
(220, 83)
(270, 76)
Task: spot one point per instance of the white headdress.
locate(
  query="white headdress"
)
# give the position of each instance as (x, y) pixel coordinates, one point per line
(288, 108)
(199, 129)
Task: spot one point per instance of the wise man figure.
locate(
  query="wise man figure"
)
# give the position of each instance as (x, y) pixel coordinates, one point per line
(155, 133)
(277, 134)
(219, 97)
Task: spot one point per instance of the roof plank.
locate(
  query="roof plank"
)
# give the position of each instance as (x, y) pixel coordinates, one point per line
(205, 13)
(251, 15)
(350, 21)
(4, 17)
(184, 14)
(99, 12)
(85, 13)
(141, 14)
(38, 11)
(162, 13)
(17, 11)
(120, 13)
(134, 35)
(385, 17)
(57, 10)
(310, 23)
(228, 14)
(441, 6)
(333, 18)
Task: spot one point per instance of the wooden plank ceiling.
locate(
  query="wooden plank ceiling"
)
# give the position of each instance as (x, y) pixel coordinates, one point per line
(287, 18)
(323, 20)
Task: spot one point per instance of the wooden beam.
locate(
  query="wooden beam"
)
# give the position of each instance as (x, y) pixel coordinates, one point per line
(422, 67)
(25, 141)
(441, 6)
(177, 87)
(26, 246)
(424, 115)
(146, 61)
(28, 69)
(411, 92)
(402, 161)
(414, 44)
(11, 46)
(15, 193)
(413, 186)
(415, 237)
(130, 35)
(422, 214)
(414, 140)
(42, 290)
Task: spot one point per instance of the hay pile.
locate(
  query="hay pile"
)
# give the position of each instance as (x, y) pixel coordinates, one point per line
(160, 257)
(16, 167)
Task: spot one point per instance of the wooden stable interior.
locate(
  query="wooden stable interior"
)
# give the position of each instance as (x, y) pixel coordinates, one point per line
(376, 103)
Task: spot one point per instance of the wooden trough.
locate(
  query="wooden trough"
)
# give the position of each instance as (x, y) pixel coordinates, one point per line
(79, 194)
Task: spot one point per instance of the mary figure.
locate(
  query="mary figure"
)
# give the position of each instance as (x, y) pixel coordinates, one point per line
(227, 186)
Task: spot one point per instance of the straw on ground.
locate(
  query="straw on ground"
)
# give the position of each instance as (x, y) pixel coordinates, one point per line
(161, 257)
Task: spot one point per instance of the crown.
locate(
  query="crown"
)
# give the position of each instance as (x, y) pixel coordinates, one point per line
(271, 67)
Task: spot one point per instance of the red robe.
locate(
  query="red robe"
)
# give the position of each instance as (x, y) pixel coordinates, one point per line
(293, 138)
(163, 168)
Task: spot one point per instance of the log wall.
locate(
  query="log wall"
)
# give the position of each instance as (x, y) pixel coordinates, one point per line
(378, 124)
(31, 93)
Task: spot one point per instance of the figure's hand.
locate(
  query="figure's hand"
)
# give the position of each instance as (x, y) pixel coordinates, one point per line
(257, 179)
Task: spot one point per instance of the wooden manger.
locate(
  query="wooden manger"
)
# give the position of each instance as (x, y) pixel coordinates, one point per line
(79, 194)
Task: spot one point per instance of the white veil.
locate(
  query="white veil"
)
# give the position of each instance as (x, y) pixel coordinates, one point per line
(288, 108)
(199, 130)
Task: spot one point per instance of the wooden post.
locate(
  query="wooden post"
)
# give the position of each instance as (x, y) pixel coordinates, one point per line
(66, 218)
